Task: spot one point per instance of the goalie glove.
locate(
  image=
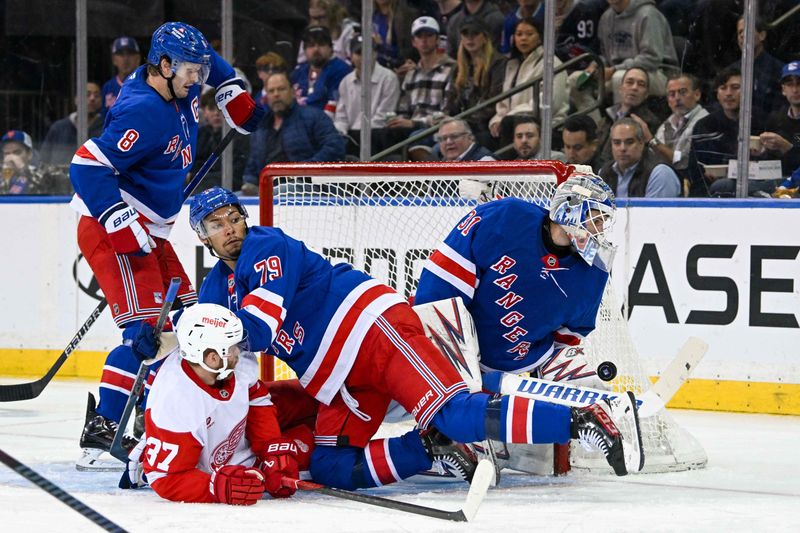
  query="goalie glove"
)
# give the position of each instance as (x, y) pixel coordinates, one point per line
(279, 460)
(126, 233)
(237, 485)
(240, 110)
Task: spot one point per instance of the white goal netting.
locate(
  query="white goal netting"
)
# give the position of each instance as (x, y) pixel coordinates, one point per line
(386, 218)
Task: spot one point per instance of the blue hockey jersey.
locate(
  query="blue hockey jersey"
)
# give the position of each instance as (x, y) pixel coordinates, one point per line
(525, 301)
(298, 307)
(145, 152)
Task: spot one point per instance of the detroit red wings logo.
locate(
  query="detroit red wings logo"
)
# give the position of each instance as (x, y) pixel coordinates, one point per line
(223, 452)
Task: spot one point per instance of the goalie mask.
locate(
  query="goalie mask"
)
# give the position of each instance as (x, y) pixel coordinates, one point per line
(585, 207)
(204, 327)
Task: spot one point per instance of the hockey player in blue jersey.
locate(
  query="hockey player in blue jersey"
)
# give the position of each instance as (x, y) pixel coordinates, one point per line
(129, 190)
(531, 279)
(355, 344)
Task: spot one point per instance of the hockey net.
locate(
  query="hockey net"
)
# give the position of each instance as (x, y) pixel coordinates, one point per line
(386, 218)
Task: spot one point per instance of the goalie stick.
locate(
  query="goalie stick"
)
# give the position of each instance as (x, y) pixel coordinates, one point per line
(138, 386)
(59, 493)
(484, 473)
(28, 391)
(650, 402)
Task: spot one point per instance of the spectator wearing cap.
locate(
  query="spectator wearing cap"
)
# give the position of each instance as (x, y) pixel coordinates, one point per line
(782, 140)
(527, 63)
(391, 28)
(334, 16)
(21, 175)
(422, 93)
(125, 58)
(478, 76)
(316, 82)
(267, 65)
(61, 141)
(486, 11)
(385, 93)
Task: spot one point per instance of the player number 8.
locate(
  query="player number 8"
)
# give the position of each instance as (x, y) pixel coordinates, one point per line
(127, 140)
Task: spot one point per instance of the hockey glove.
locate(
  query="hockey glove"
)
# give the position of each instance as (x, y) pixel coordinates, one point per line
(279, 460)
(133, 477)
(237, 485)
(146, 343)
(127, 234)
(240, 110)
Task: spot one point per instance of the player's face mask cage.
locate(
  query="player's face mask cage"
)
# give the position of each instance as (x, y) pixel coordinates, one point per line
(204, 327)
(585, 207)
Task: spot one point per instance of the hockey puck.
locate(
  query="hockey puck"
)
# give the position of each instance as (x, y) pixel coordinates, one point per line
(606, 370)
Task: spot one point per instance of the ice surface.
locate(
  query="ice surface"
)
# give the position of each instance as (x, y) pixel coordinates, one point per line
(752, 483)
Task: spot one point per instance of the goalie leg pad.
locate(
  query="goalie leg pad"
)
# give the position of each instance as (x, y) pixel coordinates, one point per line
(381, 462)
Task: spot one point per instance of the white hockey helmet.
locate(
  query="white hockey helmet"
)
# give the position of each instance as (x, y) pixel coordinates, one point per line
(204, 327)
(584, 205)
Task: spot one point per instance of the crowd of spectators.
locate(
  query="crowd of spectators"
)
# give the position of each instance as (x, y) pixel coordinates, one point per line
(654, 109)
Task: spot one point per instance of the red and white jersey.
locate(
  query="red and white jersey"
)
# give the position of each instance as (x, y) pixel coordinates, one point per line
(192, 428)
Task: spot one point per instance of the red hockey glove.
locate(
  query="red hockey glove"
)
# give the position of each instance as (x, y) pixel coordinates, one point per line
(279, 460)
(237, 485)
(127, 234)
(240, 110)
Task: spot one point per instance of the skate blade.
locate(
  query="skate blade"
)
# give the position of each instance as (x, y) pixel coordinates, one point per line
(95, 460)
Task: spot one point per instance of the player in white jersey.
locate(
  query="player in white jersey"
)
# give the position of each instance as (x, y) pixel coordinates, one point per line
(212, 433)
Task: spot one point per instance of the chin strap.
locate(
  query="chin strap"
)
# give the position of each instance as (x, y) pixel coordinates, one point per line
(169, 80)
(552, 247)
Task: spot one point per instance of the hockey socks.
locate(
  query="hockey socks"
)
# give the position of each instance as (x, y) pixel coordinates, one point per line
(476, 417)
(119, 373)
(526, 421)
(381, 462)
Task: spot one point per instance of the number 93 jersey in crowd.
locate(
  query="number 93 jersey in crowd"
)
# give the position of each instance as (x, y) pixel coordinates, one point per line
(525, 301)
(145, 152)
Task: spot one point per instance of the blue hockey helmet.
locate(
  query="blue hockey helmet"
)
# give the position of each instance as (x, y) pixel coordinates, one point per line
(207, 202)
(584, 205)
(185, 47)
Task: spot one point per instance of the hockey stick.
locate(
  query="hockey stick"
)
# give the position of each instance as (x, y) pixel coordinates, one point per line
(138, 386)
(32, 389)
(650, 402)
(60, 494)
(484, 473)
(28, 391)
